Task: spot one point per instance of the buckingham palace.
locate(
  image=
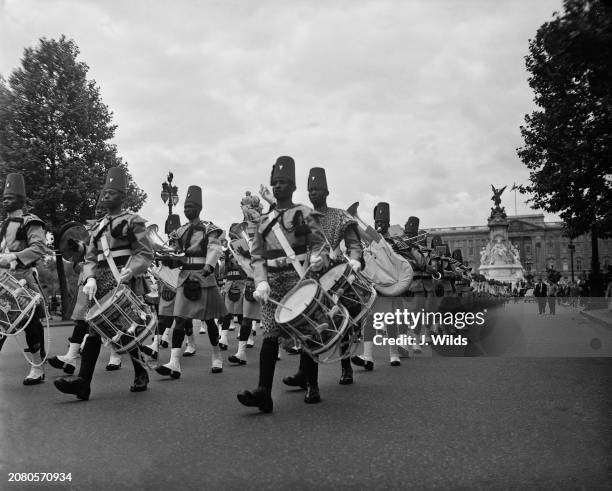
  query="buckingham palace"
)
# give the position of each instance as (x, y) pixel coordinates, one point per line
(541, 245)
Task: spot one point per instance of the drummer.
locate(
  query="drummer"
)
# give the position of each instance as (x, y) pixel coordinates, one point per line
(23, 244)
(286, 238)
(67, 362)
(122, 235)
(337, 226)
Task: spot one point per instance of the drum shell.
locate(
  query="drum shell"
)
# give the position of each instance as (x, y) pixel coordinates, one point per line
(320, 326)
(18, 303)
(122, 318)
(354, 290)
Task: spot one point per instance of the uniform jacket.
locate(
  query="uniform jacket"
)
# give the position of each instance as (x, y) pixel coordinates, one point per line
(200, 240)
(25, 237)
(299, 224)
(338, 225)
(124, 232)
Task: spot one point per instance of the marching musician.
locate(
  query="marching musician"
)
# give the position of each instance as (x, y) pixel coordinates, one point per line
(241, 259)
(67, 362)
(337, 226)
(119, 240)
(197, 296)
(386, 303)
(283, 242)
(232, 294)
(22, 244)
(165, 310)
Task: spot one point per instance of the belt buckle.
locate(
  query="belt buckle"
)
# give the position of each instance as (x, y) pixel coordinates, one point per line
(281, 262)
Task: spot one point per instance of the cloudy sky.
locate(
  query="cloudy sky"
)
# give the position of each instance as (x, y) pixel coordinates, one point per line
(417, 103)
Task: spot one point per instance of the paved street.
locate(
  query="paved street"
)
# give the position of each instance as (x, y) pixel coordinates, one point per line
(535, 415)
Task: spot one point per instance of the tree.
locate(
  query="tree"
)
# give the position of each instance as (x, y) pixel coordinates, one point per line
(568, 140)
(55, 129)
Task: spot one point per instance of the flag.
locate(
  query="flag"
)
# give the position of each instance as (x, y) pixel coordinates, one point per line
(514, 187)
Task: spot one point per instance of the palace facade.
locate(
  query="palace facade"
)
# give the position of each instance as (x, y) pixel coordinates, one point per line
(541, 245)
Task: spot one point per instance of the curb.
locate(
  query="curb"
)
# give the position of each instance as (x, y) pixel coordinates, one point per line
(596, 319)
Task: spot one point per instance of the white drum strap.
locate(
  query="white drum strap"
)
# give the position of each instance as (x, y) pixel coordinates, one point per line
(109, 259)
(280, 236)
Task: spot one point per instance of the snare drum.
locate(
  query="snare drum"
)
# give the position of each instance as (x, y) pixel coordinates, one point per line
(351, 288)
(122, 318)
(17, 304)
(312, 316)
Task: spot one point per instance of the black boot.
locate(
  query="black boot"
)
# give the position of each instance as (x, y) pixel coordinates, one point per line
(347, 372)
(74, 385)
(312, 394)
(141, 381)
(260, 398)
(297, 380)
(141, 377)
(311, 372)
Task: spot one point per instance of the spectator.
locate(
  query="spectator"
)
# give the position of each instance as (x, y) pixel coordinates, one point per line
(553, 289)
(540, 292)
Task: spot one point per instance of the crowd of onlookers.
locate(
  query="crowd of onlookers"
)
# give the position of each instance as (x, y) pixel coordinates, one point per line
(575, 294)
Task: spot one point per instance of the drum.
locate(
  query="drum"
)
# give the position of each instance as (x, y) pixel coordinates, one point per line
(122, 318)
(17, 304)
(352, 289)
(313, 317)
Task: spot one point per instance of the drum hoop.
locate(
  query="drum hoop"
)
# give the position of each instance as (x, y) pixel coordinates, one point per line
(342, 278)
(148, 329)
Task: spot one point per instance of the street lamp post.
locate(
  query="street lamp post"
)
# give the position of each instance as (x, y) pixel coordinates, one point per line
(571, 248)
(169, 195)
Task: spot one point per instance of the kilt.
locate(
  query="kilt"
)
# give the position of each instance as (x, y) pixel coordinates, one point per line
(251, 310)
(166, 307)
(280, 284)
(209, 306)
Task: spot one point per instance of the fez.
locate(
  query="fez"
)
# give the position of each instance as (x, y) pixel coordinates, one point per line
(15, 185)
(116, 179)
(411, 229)
(457, 256)
(284, 168)
(194, 196)
(317, 179)
(382, 213)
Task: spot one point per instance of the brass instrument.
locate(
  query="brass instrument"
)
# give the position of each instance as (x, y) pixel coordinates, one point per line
(163, 274)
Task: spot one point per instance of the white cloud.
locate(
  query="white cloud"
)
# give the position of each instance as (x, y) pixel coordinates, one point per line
(414, 103)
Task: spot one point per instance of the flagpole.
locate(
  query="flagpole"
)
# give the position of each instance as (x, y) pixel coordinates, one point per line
(514, 188)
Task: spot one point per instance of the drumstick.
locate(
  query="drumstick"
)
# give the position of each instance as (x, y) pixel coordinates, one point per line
(279, 304)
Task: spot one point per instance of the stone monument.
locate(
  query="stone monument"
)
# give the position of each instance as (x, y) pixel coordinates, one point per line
(499, 259)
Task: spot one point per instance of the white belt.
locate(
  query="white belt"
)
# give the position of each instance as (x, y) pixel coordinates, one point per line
(281, 262)
(194, 260)
(114, 254)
